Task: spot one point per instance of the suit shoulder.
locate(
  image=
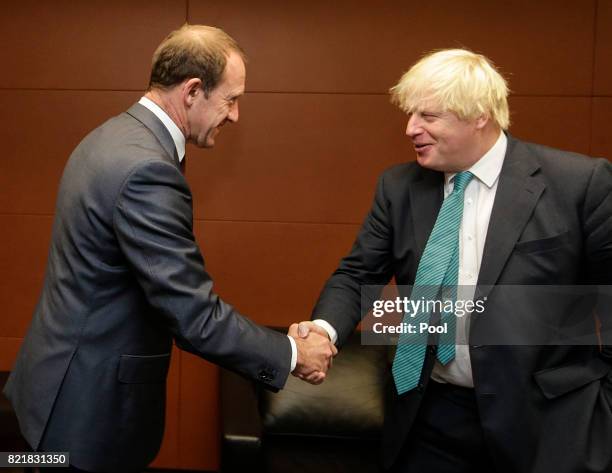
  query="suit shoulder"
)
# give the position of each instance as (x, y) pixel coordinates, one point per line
(402, 172)
(563, 161)
(118, 150)
(126, 138)
(117, 147)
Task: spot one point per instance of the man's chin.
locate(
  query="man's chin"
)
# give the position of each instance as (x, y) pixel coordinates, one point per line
(209, 140)
(423, 160)
(429, 162)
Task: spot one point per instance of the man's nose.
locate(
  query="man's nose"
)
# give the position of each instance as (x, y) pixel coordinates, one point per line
(233, 113)
(414, 125)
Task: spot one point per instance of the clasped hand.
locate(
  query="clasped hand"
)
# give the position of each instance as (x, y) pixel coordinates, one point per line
(314, 351)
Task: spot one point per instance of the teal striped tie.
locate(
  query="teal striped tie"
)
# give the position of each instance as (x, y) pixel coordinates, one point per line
(436, 279)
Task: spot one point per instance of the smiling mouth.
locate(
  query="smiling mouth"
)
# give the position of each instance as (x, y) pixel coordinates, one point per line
(420, 147)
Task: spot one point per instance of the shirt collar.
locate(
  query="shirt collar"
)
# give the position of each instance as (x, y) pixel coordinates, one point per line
(488, 168)
(175, 132)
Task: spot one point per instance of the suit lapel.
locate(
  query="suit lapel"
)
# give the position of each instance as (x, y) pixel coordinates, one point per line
(426, 196)
(518, 192)
(148, 119)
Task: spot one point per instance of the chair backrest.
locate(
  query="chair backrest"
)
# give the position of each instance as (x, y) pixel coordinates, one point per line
(10, 435)
(349, 404)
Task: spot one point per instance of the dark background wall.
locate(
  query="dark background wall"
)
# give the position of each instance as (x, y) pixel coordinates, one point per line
(279, 200)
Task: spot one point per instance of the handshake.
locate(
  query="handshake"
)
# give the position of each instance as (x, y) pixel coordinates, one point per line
(315, 351)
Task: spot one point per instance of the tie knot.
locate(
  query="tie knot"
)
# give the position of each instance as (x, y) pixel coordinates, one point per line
(461, 180)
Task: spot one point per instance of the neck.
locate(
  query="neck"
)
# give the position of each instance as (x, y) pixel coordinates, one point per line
(169, 102)
(488, 137)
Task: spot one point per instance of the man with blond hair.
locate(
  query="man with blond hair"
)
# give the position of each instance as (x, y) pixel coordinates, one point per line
(125, 276)
(481, 208)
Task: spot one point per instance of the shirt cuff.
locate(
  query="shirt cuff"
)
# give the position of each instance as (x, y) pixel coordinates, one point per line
(331, 331)
(293, 353)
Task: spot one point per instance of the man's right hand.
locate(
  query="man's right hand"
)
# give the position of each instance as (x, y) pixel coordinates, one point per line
(314, 354)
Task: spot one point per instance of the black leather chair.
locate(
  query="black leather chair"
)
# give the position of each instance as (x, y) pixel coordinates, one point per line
(333, 427)
(10, 435)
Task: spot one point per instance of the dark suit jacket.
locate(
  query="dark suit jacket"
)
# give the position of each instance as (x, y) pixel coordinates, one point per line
(542, 408)
(124, 277)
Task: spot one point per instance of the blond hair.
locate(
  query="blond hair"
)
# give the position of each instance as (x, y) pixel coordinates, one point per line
(192, 51)
(457, 80)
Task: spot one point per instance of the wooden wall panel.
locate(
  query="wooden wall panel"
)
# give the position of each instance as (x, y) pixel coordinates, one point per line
(363, 47)
(272, 272)
(560, 122)
(97, 44)
(9, 347)
(299, 158)
(345, 141)
(603, 49)
(602, 127)
(280, 199)
(40, 130)
(199, 414)
(24, 243)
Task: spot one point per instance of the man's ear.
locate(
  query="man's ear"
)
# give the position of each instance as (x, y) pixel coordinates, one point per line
(482, 121)
(190, 90)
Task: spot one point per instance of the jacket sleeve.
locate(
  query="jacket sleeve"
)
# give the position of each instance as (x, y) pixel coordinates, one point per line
(598, 234)
(153, 224)
(368, 267)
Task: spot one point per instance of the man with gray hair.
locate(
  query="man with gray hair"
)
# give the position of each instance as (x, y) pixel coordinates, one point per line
(481, 208)
(125, 276)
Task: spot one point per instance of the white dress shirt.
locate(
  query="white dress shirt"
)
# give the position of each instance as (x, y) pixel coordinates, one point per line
(175, 132)
(477, 205)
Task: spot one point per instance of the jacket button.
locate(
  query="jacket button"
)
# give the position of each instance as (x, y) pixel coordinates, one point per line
(265, 376)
